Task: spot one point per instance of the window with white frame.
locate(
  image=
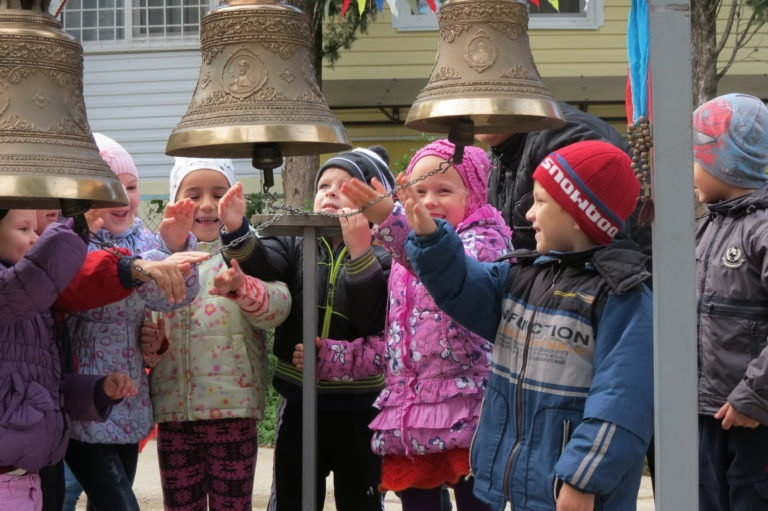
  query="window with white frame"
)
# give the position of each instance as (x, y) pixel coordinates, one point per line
(546, 14)
(135, 23)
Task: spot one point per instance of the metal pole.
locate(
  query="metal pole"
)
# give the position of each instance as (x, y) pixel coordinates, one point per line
(674, 274)
(309, 396)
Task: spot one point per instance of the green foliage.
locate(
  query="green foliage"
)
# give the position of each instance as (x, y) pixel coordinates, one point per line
(760, 7)
(268, 424)
(340, 32)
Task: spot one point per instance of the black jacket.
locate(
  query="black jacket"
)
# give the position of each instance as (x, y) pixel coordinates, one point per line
(510, 185)
(351, 303)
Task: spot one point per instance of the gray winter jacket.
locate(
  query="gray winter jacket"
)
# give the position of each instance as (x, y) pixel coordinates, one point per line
(732, 303)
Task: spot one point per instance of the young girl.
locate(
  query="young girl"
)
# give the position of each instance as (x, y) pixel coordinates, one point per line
(436, 371)
(207, 441)
(351, 299)
(103, 456)
(34, 393)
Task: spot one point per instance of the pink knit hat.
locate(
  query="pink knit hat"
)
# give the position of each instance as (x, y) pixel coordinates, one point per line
(115, 155)
(473, 169)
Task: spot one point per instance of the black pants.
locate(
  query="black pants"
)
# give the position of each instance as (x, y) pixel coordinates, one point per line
(52, 485)
(106, 473)
(343, 447)
(733, 467)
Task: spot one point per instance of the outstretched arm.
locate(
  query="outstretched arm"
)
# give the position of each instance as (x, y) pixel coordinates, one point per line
(265, 304)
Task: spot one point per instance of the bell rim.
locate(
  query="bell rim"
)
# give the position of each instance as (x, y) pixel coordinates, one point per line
(488, 114)
(238, 141)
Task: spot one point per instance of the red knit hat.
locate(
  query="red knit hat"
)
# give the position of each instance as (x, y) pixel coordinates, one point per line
(593, 181)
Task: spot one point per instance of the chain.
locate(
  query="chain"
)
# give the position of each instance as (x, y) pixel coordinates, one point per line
(288, 210)
(112, 249)
(284, 211)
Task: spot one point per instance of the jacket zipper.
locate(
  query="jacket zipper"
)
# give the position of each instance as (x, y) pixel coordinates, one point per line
(519, 394)
(702, 282)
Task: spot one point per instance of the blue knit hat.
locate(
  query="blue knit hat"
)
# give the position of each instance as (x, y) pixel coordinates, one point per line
(730, 139)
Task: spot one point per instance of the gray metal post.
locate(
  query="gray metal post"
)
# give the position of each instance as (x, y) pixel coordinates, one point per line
(674, 273)
(309, 398)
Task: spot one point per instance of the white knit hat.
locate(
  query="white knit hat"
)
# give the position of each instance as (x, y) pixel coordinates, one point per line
(184, 166)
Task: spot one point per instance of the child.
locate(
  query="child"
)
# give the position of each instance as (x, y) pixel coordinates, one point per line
(34, 392)
(435, 370)
(730, 159)
(568, 410)
(351, 298)
(103, 456)
(207, 442)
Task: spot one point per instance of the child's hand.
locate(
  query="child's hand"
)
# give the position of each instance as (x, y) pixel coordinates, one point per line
(94, 219)
(152, 335)
(731, 417)
(232, 208)
(119, 385)
(418, 218)
(228, 281)
(356, 233)
(169, 273)
(176, 224)
(571, 499)
(298, 353)
(361, 194)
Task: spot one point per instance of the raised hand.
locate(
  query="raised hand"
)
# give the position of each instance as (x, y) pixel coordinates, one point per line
(356, 233)
(232, 208)
(119, 385)
(176, 224)
(361, 194)
(417, 215)
(169, 273)
(228, 281)
(94, 219)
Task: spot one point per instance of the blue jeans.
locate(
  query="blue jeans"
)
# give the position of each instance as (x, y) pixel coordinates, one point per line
(106, 473)
(72, 490)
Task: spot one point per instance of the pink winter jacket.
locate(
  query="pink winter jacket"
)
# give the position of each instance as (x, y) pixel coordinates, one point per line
(435, 370)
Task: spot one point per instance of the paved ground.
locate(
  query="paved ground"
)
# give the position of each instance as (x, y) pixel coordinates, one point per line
(147, 485)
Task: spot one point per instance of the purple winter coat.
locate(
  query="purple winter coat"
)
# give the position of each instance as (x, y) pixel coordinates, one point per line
(33, 425)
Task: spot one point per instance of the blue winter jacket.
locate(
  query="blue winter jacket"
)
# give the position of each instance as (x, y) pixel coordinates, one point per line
(570, 396)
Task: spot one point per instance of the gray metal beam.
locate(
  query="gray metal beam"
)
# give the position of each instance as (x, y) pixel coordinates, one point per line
(674, 274)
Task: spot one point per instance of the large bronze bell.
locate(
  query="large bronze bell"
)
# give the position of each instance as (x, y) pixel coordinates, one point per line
(484, 79)
(256, 95)
(48, 157)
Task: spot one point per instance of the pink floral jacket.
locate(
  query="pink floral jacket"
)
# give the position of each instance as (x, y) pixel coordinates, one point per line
(436, 370)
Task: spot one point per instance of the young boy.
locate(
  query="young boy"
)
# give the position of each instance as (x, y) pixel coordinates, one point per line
(351, 299)
(568, 411)
(730, 158)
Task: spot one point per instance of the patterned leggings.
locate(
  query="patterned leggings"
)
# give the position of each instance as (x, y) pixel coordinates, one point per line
(207, 464)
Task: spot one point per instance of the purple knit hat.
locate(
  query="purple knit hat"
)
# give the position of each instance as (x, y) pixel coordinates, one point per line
(730, 139)
(473, 169)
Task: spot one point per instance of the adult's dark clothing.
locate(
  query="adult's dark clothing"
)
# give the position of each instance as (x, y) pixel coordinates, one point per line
(510, 185)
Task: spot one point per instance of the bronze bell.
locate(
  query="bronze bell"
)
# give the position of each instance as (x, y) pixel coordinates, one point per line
(256, 95)
(48, 157)
(484, 79)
